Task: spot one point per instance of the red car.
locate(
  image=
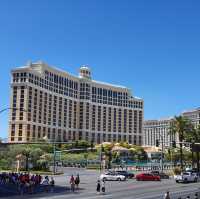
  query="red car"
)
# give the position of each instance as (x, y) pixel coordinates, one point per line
(147, 177)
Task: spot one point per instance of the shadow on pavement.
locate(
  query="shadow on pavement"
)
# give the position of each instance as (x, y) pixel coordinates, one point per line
(8, 191)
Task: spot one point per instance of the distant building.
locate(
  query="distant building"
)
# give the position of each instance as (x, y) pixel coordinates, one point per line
(157, 130)
(193, 116)
(63, 107)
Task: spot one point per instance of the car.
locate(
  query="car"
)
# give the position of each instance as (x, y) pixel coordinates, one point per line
(161, 174)
(147, 177)
(112, 176)
(125, 173)
(186, 177)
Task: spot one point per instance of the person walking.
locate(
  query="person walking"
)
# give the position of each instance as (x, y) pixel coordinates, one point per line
(166, 195)
(98, 186)
(45, 184)
(77, 181)
(103, 189)
(72, 183)
(52, 184)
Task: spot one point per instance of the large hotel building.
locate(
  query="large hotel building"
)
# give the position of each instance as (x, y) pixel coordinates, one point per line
(48, 102)
(158, 130)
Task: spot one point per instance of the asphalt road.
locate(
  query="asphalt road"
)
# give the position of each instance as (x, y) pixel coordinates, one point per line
(130, 189)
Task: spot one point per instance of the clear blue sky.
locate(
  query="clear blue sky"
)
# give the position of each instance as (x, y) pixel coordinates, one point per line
(152, 46)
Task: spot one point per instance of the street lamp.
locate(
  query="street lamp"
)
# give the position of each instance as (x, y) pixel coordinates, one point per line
(5, 109)
(54, 153)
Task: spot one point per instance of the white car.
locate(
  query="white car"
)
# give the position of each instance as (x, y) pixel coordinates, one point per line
(186, 177)
(112, 176)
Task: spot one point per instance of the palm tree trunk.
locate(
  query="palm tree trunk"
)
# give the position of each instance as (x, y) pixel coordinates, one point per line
(198, 161)
(181, 155)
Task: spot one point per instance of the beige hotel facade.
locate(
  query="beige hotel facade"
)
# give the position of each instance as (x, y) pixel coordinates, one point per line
(64, 107)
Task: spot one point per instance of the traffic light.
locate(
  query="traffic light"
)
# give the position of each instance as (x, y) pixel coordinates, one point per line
(174, 144)
(157, 143)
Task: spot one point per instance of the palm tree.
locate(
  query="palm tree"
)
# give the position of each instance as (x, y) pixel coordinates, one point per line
(194, 136)
(180, 126)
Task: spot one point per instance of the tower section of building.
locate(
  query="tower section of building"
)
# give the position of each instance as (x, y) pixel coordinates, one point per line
(48, 102)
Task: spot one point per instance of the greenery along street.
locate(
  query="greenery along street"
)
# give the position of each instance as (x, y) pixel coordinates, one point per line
(40, 156)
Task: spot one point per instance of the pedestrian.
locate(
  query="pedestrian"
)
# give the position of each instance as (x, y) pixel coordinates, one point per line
(166, 195)
(52, 184)
(77, 181)
(45, 184)
(98, 186)
(196, 195)
(72, 183)
(103, 189)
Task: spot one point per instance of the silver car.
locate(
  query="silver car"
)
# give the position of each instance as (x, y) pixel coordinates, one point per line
(112, 176)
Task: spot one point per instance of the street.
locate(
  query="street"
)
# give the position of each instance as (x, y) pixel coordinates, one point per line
(127, 190)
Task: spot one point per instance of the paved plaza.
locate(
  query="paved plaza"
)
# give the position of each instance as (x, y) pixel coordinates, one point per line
(127, 190)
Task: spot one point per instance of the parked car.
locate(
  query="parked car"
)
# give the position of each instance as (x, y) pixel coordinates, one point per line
(147, 177)
(161, 174)
(125, 173)
(112, 176)
(186, 177)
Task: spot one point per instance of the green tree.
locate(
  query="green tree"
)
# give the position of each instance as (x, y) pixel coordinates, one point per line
(180, 126)
(194, 136)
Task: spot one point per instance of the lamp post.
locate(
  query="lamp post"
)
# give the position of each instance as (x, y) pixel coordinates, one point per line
(5, 109)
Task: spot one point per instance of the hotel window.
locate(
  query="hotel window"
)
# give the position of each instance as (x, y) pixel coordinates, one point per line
(140, 140)
(114, 120)
(75, 110)
(81, 116)
(65, 113)
(109, 137)
(109, 119)
(125, 120)
(104, 118)
(98, 138)
(13, 130)
(135, 121)
(69, 135)
(124, 138)
(99, 118)
(54, 110)
(119, 120)
(80, 135)
(119, 138)
(20, 130)
(114, 138)
(130, 139)
(93, 117)
(74, 136)
(87, 136)
(104, 137)
(87, 115)
(130, 121)
(135, 140)
(140, 121)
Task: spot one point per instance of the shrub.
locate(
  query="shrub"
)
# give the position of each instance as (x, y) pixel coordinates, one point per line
(177, 170)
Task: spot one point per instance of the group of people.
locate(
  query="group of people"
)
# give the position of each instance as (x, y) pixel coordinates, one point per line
(27, 183)
(101, 186)
(74, 182)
